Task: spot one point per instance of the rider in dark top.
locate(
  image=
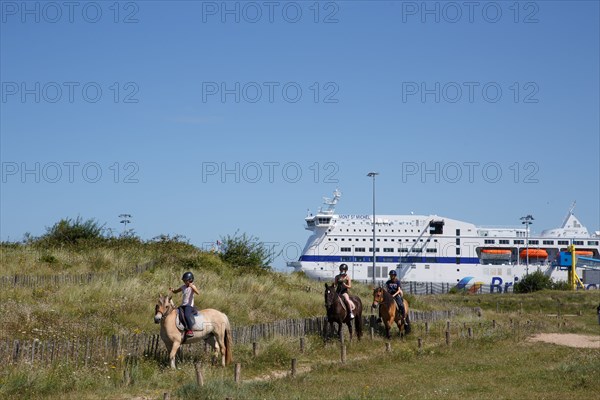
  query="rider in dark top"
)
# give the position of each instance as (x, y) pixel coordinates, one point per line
(395, 289)
(342, 283)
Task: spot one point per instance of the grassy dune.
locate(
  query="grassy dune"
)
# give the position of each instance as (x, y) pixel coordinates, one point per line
(498, 363)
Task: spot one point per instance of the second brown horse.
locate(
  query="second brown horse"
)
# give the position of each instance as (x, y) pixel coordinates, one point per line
(389, 313)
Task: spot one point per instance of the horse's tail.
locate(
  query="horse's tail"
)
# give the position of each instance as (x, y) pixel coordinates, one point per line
(358, 321)
(407, 325)
(358, 324)
(228, 344)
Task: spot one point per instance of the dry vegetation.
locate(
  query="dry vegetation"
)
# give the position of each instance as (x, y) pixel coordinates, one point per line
(497, 363)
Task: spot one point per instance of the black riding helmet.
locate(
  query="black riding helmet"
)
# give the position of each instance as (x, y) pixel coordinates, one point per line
(188, 276)
(393, 272)
(343, 268)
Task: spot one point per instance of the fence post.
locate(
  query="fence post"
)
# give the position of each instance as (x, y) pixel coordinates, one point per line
(420, 343)
(16, 350)
(427, 327)
(343, 354)
(302, 345)
(254, 349)
(448, 338)
(199, 377)
(470, 333)
(294, 367)
(237, 374)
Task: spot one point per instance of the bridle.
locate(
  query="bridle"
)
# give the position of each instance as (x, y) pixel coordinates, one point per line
(168, 309)
(337, 297)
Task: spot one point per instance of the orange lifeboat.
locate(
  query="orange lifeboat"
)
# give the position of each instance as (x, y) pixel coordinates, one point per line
(495, 251)
(584, 253)
(495, 254)
(534, 253)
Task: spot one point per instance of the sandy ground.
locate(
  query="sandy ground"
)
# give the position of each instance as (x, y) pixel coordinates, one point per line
(568, 339)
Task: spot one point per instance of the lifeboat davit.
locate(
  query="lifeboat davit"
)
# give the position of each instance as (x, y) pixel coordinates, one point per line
(534, 253)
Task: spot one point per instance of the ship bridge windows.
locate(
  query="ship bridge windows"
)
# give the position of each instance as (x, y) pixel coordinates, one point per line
(436, 227)
(324, 220)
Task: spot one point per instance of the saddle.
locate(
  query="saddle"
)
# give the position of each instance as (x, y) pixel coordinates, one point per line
(344, 303)
(197, 320)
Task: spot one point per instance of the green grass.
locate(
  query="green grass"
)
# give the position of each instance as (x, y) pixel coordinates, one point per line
(499, 363)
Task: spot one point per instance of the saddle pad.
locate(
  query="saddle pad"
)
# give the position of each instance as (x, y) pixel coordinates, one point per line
(197, 318)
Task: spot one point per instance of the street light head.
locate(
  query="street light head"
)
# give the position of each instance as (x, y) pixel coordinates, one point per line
(372, 174)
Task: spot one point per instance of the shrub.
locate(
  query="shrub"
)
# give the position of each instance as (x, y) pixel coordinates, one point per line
(534, 282)
(71, 232)
(243, 251)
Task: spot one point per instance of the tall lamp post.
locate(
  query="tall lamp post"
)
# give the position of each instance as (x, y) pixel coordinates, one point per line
(373, 175)
(527, 221)
(125, 220)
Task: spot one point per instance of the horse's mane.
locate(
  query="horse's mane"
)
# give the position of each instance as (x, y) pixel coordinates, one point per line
(388, 300)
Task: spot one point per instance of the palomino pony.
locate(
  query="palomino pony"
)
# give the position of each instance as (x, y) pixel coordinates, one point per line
(216, 330)
(336, 312)
(388, 311)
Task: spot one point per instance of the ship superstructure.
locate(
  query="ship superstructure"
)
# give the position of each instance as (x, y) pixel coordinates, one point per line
(432, 248)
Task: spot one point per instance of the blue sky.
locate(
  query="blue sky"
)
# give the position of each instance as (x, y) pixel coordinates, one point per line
(207, 118)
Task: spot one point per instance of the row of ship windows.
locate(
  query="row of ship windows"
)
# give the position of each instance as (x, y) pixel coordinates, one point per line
(379, 240)
(493, 241)
(387, 260)
(385, 250)
(544, 242)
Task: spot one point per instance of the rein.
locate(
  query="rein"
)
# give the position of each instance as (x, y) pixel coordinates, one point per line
(168, 309)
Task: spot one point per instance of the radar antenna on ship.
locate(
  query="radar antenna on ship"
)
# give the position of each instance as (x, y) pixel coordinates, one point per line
(329, 204)
(569, 213)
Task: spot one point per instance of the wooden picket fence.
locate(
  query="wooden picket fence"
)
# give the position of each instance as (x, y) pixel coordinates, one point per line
(81, 352)
(33, 281)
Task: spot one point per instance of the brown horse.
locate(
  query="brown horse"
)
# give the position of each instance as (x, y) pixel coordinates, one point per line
(216, 330)
(336, 312)
(388, 311)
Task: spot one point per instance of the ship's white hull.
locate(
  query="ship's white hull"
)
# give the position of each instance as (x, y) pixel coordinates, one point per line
(498, 278)
(434, 249)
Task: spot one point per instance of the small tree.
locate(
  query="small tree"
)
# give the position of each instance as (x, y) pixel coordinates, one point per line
(534, 282)
(243, 251)
(70, 232)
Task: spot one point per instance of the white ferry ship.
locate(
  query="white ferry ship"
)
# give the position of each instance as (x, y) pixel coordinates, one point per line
(431, 248)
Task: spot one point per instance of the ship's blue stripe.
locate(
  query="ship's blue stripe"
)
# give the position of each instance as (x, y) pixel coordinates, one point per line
(390, 259)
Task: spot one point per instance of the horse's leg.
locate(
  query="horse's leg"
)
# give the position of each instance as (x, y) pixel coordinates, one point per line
(175, 346)
(388, 327)
(400, 325)
(220, 341)
(349, 323)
